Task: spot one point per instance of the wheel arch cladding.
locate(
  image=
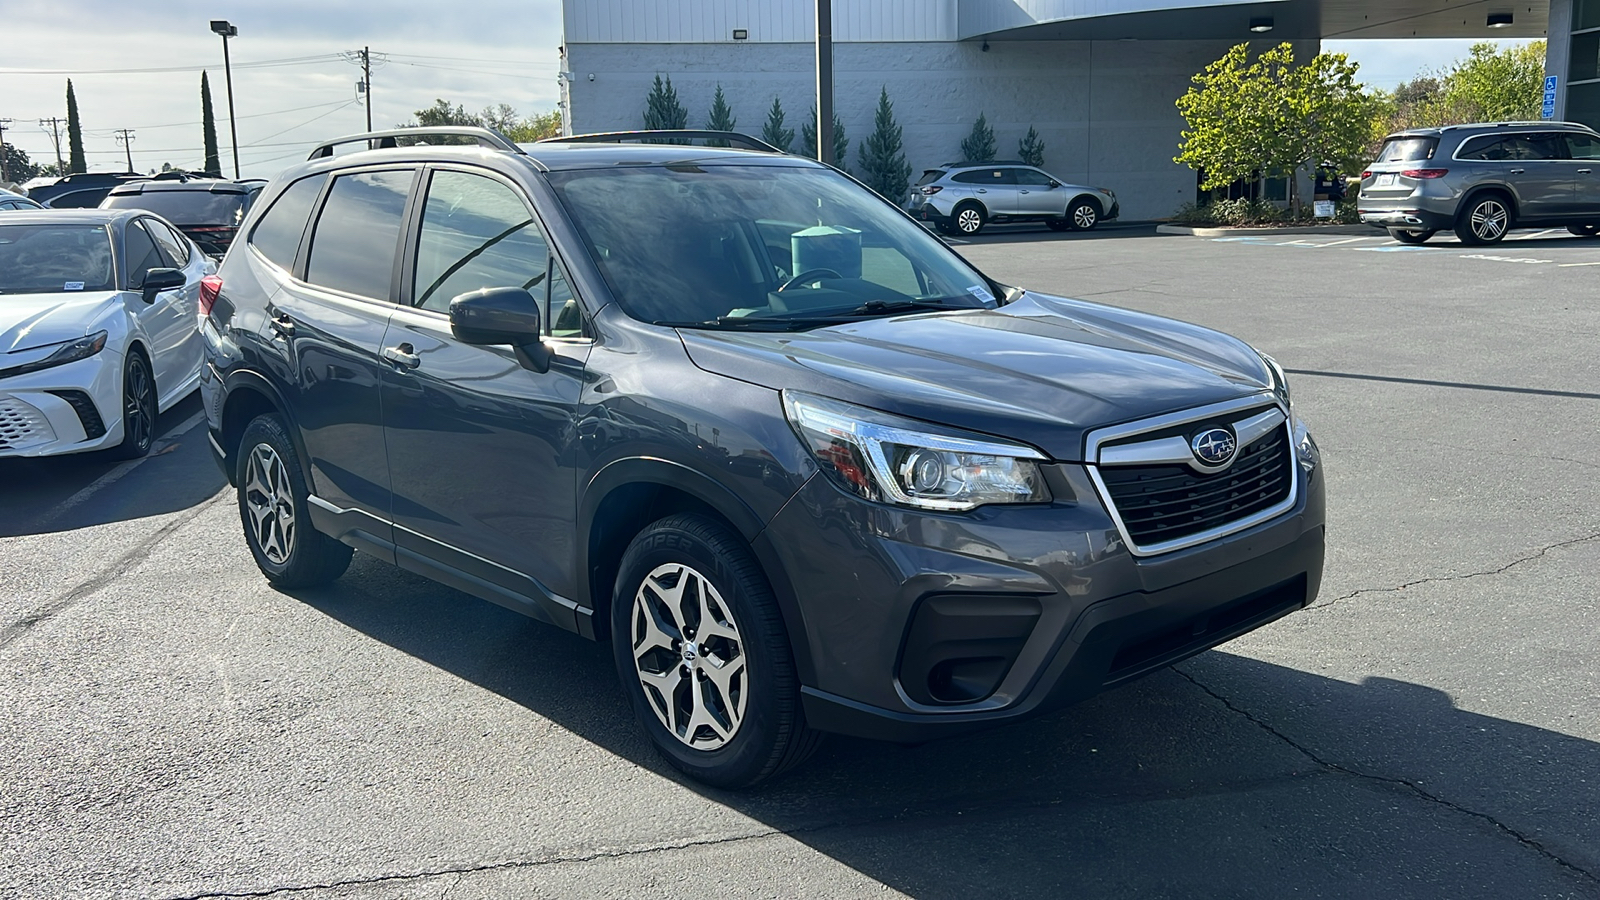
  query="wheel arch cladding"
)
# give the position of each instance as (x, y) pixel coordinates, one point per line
(249, 396)
(1501, 191)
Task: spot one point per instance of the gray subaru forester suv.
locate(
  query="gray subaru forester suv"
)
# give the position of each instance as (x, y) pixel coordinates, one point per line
(1483, 180)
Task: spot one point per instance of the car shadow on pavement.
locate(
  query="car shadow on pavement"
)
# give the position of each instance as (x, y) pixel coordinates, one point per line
(1227, 777)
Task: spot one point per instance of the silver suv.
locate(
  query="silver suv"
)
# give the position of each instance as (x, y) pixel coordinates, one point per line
(960, 198)
(1483, 180)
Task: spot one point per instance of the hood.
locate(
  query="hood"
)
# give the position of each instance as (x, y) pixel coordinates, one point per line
(34, 320)
(1042, 370)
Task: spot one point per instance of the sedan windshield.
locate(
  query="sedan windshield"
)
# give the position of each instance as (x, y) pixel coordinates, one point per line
(49, 259)
(759, 247)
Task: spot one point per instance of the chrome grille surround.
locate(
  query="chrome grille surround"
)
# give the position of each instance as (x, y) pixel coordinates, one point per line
(1246, 414)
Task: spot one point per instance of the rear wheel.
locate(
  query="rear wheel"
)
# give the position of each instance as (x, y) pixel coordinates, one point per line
(138, 408)
(1485, 220)
(703, 655)
(1411, 235)
(1584, 230)
(273, 503)
(1058, 224)
(1083, 215)
(968, 219)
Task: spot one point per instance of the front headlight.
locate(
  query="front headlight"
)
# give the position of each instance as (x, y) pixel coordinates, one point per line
(1280, 381)
(71, 351)
(889, 459)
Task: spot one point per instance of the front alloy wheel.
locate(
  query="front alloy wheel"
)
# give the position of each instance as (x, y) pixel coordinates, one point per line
(689, 656)
(1485, 222)
(138, 409)
(1084, 216)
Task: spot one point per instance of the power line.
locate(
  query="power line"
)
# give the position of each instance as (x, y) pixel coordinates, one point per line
(472, 59)
(125, 138)
(54, 123)
(259, 64)
(277, 112)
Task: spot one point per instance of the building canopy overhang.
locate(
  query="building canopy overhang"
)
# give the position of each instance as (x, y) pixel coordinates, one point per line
(1046, 20)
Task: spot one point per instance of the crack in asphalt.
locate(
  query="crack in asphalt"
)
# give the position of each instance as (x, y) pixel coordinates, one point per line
(120, 566)
(1537, 554)
(1411, 786)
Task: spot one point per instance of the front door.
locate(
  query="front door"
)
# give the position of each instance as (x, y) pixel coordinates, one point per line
(1038, 194)
(480, 447)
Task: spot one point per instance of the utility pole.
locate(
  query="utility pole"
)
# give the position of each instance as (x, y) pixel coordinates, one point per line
(366, 79)
(125, 138)
(825, 81)
(4, 124)
(54, 123)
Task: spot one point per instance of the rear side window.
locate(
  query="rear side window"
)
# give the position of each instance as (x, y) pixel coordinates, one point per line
(184, 207)
(277, 235)
(79, 199)
(358, 232)
(476, 233)
(142, 254)
(1584, 146)
(1408, 149)
(930, 176)
(984, 176)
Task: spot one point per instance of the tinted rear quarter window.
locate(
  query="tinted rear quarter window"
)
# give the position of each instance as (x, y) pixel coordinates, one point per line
(930, 176)
(983, 176)
(277, 235)
(356, 237)
(1408, 149)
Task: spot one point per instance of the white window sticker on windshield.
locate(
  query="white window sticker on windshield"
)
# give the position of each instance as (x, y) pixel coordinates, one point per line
(72, 286)
(981, 292)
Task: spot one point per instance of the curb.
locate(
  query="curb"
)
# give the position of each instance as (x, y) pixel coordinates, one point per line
(1191, 231)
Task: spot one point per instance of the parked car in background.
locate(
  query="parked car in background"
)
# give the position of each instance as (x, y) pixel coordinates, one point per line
(207, 210)
(83, 190)
(961, 198)
(97, 329)
(10, 200)
(1483, 180)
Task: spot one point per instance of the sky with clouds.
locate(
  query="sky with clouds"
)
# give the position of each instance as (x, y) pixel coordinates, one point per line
(141, 70)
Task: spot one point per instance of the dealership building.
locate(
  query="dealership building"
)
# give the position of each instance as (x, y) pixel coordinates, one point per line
(1096, 78)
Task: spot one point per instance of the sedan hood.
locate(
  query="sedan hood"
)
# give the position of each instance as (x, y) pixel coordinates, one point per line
(1042, 369)
(35, 320)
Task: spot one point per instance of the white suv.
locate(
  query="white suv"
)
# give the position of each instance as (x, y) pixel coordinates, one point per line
(960, 198)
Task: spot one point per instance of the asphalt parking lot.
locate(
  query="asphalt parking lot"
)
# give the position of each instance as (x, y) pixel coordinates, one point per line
(174, 728)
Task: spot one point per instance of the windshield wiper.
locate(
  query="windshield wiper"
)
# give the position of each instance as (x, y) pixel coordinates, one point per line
(881, 307)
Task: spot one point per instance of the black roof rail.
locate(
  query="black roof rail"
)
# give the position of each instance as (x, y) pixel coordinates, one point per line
(667, 136)
(378, 140)
(970, 164)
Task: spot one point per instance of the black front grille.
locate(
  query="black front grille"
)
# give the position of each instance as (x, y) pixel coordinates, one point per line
(93, 425)
(1165, 503)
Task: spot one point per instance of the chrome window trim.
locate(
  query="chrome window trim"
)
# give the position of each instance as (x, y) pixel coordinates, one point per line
(1094, 460)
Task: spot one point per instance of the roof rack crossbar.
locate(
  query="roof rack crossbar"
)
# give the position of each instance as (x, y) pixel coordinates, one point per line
(379, 140)
(667, 136)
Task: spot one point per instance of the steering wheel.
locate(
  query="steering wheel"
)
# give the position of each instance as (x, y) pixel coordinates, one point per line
(808, 275)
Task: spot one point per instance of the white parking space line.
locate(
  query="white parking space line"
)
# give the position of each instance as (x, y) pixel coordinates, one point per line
(111, 477)
(1576, 265)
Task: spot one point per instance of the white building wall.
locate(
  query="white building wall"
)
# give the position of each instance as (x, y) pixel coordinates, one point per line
(765, 21)
(988, 16)
(1105, 109)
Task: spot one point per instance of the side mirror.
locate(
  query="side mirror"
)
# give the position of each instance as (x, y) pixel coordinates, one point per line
(160, 279)
(501, 315)
(1054, 184)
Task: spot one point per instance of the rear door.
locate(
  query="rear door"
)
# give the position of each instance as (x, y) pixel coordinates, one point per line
(479, 445)
(995, 188)
(1585, 152)
(1531, 164)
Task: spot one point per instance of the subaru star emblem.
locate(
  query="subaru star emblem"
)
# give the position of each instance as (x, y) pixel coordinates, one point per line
(1214, 447)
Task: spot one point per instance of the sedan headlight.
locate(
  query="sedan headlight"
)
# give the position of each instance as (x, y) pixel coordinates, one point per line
(1280, 381)
(889, 459)
(71, 351)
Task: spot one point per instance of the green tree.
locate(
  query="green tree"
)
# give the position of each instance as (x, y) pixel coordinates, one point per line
(208, 129)
(1271, 117)
(75, 161)
(720, 118)
(662, 109)
(501, 117)
(1495, 85)
(773, 132)
(1031, 148)
(808, 138)
(16, 165)
(441, 113)
(978, 145)
(883, 159)
(536, 127)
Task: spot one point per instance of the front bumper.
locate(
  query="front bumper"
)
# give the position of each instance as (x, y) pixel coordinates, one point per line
(949, 624)
(72, 408)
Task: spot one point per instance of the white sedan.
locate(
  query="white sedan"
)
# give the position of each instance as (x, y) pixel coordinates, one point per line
(98, 319)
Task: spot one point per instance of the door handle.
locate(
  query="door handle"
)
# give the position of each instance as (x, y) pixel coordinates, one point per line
(1518, 171)
(403, 355)
(983, 190)
(283, 325)
(1024, 192)
(1584, 171)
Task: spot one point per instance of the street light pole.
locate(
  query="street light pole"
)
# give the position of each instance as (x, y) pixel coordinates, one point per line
(227, 30)
(825, 81)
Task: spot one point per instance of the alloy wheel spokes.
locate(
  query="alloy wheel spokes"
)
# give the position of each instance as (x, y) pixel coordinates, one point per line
(1085, 217)
(689, 656)
(269, 501)
(1488, 220)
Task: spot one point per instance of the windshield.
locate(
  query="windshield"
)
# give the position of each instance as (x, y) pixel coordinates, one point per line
(50, 259)
(184, 207)
(758, 246)
(1407, 149)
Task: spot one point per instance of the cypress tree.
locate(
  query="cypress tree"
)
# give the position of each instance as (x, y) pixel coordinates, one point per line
(979, 145)
(1031, 148)
(208, 127)
(773, 132)
(662, 109)
(75, 162)
(883, 159)
(808, 138)
(721, 118)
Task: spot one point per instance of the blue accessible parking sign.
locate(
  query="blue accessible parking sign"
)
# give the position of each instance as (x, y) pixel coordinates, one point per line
(1548, 111)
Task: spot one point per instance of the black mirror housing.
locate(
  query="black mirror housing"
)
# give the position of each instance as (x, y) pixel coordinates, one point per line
(160, 279)
(501, 315)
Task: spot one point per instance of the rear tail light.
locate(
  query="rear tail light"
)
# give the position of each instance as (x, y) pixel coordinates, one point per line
(210, 287)
(1425, 173)
(931, 189)
(1366, 174)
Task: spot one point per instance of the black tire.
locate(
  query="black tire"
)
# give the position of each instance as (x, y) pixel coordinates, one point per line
(138, 408)
(292, 553)
(1484, 219)
(968, 219)
(686, 554)
(1412, 235)
(1584, 230)
(1083, 215)
(1058, 224)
